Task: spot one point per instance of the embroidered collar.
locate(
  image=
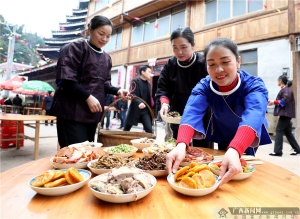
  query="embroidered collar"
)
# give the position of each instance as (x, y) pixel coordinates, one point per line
(227, 92)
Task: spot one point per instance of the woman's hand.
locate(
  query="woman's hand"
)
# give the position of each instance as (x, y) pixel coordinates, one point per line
(270, 102)
(142, 105)
(175, 157)
(94, 104)
(164, 109)
(231, 166)
(122, 93)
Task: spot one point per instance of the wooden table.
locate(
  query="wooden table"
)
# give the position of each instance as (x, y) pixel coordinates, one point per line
(269, 186)
(34, 110)
(21, 118)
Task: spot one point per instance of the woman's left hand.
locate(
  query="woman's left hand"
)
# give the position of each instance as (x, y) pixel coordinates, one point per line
(122, 92)
(231, 166)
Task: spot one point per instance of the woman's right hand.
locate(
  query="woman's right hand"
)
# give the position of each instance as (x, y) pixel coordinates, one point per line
(175, 157)
(94, 104)
(164, 109)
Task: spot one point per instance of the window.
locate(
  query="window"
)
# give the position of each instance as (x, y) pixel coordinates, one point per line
(115, 40)
(158, 26)
(249, 61)
(218, 10)
(102, 4)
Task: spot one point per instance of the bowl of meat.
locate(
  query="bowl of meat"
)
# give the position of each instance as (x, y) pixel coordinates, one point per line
(172, 117)
(154, 164)
(142, 143)
(72, 157)
(122, 185)
(195, 154)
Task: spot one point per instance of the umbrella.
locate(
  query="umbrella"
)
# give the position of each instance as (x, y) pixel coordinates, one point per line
(39, 86)
(21, 90)
(12, 84)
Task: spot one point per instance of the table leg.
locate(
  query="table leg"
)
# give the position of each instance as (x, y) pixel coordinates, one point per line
(36, 141)
(18, 134)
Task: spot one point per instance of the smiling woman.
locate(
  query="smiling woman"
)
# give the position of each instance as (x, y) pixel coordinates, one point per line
(44, 16)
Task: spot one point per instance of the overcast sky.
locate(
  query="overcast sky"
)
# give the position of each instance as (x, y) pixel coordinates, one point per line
(38, 16)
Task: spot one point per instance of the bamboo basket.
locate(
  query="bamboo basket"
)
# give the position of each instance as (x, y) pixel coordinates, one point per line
(112, 138)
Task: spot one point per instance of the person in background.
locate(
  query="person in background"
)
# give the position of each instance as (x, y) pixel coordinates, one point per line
(236, 98)
(179, 76)
(83, 79)
(138, 111)
(48, 103)
(108, 100)
(285, 109)
(17, 101)
(122, 106)
(2, 100)
(7, 101)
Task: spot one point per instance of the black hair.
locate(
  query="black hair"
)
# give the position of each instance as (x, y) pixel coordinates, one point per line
(224, 42)
(285, 80)
(185, 32)
(99, 21)
(143, 68)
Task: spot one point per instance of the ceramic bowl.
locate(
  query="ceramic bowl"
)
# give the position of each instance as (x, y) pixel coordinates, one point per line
(62, 190)
(96, 170)
(122, 198)
(172, 120)
(140, 146)
(191, 192)
(239, 176)
(67, 166)
(88, 146)
(157, 173)
(129, 154)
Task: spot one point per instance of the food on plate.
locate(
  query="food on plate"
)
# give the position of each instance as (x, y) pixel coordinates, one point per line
(55, 183)
(174, 114)
(44, 178)
(145, 140)
(124, 180)
(164, 147)
(121, 148)
(245, 166)
(110, 161)
(73, 176)
(84, 145)
(68, 155)
(153, 162)
(55, 178)
(197, 155)
(195, 176)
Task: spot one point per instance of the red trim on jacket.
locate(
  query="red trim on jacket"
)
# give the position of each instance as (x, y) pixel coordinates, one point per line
(185, 134)
(164, 99)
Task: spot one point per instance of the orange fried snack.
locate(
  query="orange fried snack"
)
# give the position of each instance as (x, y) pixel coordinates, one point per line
(59, 174)
(44, 178)
(181, 172)
(56, 183)
(73, 176)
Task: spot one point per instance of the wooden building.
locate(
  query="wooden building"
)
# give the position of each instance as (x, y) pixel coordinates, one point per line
(266, 31)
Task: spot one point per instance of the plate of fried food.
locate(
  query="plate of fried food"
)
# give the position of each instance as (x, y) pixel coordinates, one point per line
(142, 143)
(248, 169)
(154, 164)
(172, 117)
(59, 182)
(159, 147)
(121, 150)
(72, 157)
(195, 154)
(87, 146)
(194, 180)
(114, 187)
(107, 162)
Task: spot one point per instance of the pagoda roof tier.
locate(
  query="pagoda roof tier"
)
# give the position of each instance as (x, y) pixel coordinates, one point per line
(74, 17)
(72, 24)
(63, 33)
(79, 11)
(84, 1)
(61, 41)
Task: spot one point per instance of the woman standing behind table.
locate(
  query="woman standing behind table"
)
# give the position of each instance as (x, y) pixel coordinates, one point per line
(238, 102)
(285, 109)
(179, 76)
(83, 79)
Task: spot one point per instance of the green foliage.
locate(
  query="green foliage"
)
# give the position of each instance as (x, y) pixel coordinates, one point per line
(25, 44)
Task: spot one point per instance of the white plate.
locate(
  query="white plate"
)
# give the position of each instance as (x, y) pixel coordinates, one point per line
(123, 198)
(120, 154)
(191, 192)
(239, 176)
(67, 166)
(172, 120)
(140, 146)
(87, 146)
(62, 190)
(95, 170)
(157, 173)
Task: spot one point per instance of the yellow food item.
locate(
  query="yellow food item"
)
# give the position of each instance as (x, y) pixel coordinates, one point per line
(44, 178)
(56, 183)
(204, 179)
(59, 174)
(188, 182)
(189, 174)
(73, 176)
(180, 172)
(198, 178)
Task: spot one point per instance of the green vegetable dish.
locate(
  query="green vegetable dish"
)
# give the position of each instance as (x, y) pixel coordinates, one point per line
(121, 148)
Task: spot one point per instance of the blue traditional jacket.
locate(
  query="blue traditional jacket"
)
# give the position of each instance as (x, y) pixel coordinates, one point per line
(245, 107)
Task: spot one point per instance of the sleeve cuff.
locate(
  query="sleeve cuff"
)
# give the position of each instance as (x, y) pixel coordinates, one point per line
(164, 99)
(185, 134)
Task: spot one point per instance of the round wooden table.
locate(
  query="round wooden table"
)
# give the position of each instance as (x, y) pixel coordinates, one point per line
(269, 186)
